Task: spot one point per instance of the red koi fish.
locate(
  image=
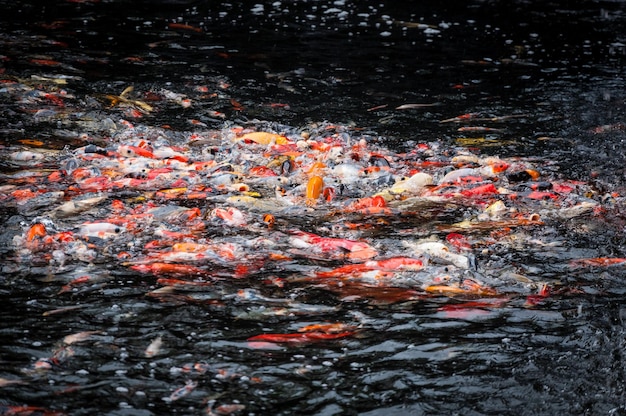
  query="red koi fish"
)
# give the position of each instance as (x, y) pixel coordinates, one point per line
(27, 411)
(261, 171)
(300, 337)
(350, 248)
(459, 241)
(182, 26)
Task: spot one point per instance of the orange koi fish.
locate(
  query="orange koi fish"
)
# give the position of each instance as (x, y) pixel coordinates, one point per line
(466, 288)
(326, 328)
(36, 230)
(370, 206)
(314, 190)
(387, 265)
(598, 262)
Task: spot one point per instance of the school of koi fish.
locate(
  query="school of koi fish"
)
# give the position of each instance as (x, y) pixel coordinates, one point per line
(252, 217)
(202, 262)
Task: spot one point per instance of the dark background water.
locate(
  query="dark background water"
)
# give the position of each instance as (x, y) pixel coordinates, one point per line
(557, 67)
(559, 63)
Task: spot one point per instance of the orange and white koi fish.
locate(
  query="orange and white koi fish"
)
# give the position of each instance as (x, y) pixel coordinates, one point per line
(231, 216)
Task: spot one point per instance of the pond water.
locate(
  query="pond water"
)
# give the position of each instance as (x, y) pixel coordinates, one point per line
(152, 265)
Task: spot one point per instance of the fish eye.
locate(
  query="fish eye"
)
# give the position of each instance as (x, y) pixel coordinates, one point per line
(117, 230)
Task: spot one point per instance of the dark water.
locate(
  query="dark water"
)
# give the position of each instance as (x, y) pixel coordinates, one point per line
(546, 78)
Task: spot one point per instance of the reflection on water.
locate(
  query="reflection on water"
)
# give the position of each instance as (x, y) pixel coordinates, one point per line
(86, 332)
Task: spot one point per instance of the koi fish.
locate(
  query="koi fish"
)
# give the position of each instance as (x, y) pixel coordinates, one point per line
(101, 230)
(183, 391)
(387, 265)
(598, 262)
(326, 328)
(172, 269)
(314, 190)
(300, 337)
(349, 248)
(224, 409)
(441, 252)
(231, 216)
(79, 337)
(4, 382)
(468, 287)
(479, 129)
(28, 411)
(263, 138)
(71, 208)
(374, 205)
(182, 26)
(154, 348)
(36, 230)
(414, 184)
